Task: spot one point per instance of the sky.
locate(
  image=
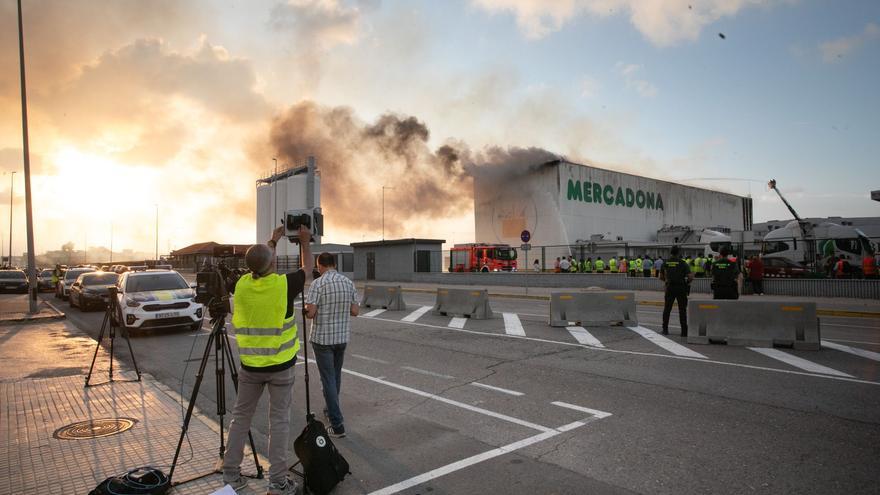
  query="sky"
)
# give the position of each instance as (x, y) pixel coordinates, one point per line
(170, 109)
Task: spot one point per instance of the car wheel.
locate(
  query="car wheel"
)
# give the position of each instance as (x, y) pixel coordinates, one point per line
(485, 270)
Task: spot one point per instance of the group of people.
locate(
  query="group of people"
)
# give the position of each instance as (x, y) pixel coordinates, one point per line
(678, 274)
(840, 267)
(640, 266)
(268, 340)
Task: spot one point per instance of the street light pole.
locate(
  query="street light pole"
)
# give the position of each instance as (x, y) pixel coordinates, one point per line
(29, 218)
(157, 232)
(383, 210)
(11, 188)
(111, 243)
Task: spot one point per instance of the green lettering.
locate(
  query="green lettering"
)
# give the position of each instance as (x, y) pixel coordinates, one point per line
(650, 200)
(587, 190)
(574, 190)
(608, 195)
(659, 202)
(640, 199)
(619, 200)
(630, 197)
(597, 192)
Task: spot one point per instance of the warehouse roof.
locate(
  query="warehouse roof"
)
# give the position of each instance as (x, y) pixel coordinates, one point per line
(397, 242)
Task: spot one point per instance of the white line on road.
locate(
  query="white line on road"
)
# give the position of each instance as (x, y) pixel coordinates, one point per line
(669, 345)
(498, 389)
(798, 362)
(512, 325)
(367, 358)
(853, 350)
(641, 353)
(415, 315)
(594, 412)
(457, 322)
(375, 312)
(480, 410)
(854, 341)
(426, 372)
(583, 336)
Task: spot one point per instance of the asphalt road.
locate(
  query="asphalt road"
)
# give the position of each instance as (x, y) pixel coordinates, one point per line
(496, 407)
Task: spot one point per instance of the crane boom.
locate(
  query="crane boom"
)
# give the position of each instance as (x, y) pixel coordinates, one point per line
(772, 185)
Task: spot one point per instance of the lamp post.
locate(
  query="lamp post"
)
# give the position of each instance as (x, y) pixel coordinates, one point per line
(29, 218)
(383, 210)
(111, 242)
(11, 188)
(157, 232)
(275, 193)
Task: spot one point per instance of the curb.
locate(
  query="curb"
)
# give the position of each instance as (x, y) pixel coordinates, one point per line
(819, 312)
(25, 318)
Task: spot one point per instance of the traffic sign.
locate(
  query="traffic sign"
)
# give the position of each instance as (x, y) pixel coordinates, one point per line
(526, 236)
(526, 247)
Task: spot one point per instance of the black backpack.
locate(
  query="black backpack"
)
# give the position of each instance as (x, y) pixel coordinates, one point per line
(140, 481)
(323, 465)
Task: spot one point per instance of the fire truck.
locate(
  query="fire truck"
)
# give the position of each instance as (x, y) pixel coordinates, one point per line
(482, 258)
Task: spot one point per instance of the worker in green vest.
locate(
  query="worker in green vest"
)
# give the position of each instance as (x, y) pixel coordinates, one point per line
(612, 264)
(265, 330)
(638, 266)
(600, 265)
(698, 266)
(587, 266)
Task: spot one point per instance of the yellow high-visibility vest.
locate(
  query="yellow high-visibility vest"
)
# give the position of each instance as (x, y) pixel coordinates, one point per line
(265, 337)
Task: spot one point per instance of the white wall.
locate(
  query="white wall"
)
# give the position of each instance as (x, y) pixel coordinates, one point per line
(291, 196)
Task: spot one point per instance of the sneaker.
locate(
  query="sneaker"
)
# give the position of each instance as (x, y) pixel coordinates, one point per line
(664, 332)
(287, 487)
(336, 431)
(236, 484)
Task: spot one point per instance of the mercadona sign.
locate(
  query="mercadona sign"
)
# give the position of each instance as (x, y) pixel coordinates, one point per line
(594, 192)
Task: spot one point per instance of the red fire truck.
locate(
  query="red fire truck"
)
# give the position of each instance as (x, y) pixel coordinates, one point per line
(482, 258)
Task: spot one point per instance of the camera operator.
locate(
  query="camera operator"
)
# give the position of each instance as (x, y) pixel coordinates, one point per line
(265, 327)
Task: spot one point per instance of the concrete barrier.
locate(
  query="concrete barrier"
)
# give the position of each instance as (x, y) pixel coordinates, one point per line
(592, 308)
(754, 323)
(472, 303)
(388, 297)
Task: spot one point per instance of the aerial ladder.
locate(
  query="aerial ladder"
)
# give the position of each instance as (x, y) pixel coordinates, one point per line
(806, 227)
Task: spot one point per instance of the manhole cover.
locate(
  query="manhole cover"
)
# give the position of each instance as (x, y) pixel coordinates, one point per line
(94, 428)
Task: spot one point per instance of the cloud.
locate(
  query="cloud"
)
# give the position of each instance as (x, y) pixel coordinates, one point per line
(834, 50)
(589, 87)
(630, 72)
(662, 22)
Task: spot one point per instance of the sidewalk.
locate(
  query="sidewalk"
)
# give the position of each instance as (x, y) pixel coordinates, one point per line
(16, 309)
(827, 306)
(41, 390)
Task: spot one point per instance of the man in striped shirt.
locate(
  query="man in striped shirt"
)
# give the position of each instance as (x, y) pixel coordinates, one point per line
(331, 301)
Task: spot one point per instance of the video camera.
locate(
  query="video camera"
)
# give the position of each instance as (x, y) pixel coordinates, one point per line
(213, 286)
(312, 219)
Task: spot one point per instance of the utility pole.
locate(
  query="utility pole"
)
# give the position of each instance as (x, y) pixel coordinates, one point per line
(11, 188)
(32, 267)
(111, 243)
(383, 210)
(157, 232)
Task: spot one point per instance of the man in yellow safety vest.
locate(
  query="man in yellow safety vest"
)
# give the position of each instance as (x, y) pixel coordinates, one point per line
(264, 320)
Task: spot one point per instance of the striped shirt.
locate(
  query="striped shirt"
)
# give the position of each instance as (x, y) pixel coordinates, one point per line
(333, 294)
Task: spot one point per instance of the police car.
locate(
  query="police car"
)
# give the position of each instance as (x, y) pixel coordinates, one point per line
(157, 299)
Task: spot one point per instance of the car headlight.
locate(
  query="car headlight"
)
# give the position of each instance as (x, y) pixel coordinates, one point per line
(131, 303)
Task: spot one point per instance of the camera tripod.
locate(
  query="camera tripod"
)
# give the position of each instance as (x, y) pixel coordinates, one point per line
(112, 325)
(219, 339)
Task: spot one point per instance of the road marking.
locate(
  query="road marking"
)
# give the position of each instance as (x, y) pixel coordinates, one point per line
(669, 345)
(462, 405)
(798, 362)
(594, 412)
(415, 315)
(583, 336)
(640, 353)
(498, 389)
(853, 341)
(853, 350)
(375, 312)
(426, 372)
(457, 322)
(512, 325)
(367, 358)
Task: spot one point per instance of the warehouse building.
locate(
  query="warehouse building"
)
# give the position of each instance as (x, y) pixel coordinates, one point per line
(561, 202)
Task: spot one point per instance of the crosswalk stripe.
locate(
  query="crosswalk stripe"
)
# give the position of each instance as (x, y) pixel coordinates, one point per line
(583, 336)
(852, 350)
(375, 312)
(415, 315)
(498, 389)
(512, 325)
(457, 322)
(798, 362)
(669, 345)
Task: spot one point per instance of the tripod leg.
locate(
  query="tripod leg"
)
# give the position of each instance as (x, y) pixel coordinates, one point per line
(97, 346)
(192, 403)
(112, 338)
(220, 382)
(234, 374)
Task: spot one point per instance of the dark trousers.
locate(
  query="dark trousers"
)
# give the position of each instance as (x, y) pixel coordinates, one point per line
(757, 286)
(725, 292)
(676, 295)
(329, 359)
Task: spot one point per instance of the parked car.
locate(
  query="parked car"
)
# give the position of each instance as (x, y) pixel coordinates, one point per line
(120, 269)
(105, 268)
(44, 280)
(157, 299)
(781, 267)
(92, 290)
(70, 276)
(13, 281)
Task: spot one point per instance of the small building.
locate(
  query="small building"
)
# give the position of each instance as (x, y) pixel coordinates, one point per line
(195, 255)
(342, 252)
(398, 259)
